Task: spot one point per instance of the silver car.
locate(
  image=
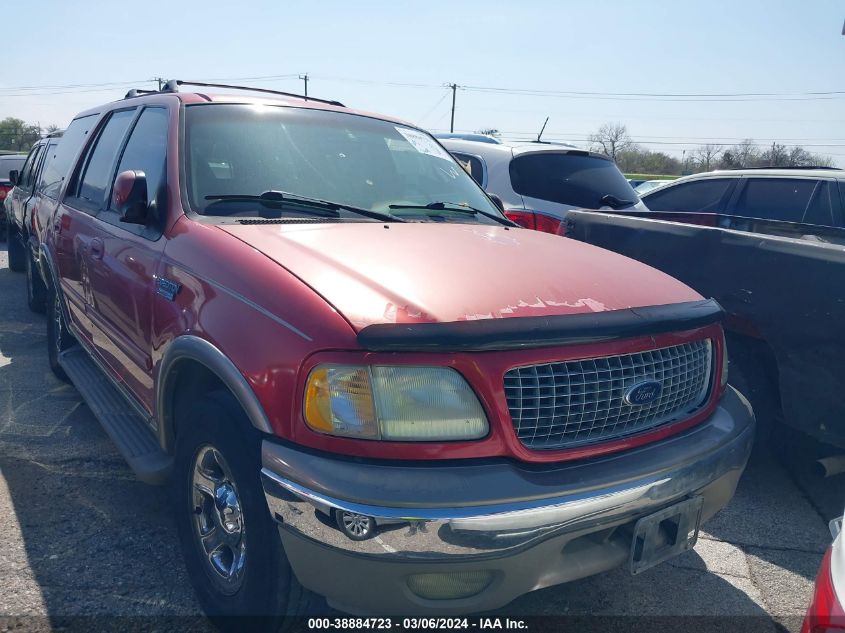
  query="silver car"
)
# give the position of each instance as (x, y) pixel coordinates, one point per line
(539, 182)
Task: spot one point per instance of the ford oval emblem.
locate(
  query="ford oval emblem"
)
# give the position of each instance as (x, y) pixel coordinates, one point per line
(643, 393)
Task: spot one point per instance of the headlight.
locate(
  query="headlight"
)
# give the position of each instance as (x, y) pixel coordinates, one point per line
(724, 381)
(393, 403)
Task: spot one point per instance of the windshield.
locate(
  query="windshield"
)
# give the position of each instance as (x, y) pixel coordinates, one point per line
(575, 179)
(236, 151)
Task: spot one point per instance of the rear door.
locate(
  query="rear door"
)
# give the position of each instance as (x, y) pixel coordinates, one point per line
(121, 258)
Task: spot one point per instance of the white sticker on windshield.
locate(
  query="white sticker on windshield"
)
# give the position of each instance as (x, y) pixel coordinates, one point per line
(423, 142)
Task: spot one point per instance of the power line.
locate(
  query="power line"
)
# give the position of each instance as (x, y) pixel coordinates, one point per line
(668, 96)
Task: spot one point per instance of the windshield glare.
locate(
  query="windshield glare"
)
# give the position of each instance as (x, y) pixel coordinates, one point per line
(236, 149)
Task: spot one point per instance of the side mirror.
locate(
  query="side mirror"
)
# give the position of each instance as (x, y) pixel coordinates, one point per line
(13, 176)
(497, 201)
(129, 197)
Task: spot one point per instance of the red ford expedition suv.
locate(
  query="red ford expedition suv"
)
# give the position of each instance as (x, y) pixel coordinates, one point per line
(361, 378)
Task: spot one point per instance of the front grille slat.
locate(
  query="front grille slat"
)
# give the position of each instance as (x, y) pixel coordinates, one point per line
(570, 403)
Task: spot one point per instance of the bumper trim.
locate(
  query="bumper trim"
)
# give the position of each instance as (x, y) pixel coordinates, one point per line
(502, 518)
(532, 506)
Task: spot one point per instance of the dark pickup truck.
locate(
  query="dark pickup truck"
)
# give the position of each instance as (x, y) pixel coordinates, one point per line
(782, 286)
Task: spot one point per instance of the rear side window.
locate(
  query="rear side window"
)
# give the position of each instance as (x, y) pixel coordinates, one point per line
(775, 198)
(578, 180)
(472, 164)
(703, 196)
(99, 166)
(60, 157)
(820, 209)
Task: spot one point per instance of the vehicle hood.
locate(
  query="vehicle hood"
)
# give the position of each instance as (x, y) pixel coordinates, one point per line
(426, 272)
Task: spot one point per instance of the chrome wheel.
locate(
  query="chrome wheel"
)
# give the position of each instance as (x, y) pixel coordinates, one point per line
(356, 526)
(218, 520)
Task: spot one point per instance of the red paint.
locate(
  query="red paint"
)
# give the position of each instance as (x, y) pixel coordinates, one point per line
(278, 299)
(826, 613)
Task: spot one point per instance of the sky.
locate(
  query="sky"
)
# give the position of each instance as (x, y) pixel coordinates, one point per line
(396, 57)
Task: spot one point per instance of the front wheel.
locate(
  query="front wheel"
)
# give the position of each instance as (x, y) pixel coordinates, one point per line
(231, 545)
(59, 337)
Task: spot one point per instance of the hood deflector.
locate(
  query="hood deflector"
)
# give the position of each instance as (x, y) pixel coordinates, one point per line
(541, 331)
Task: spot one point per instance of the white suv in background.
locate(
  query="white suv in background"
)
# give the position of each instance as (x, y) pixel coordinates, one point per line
(539, 182)
(807, 195)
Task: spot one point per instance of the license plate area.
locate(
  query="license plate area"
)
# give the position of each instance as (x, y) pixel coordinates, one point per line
(665, 534)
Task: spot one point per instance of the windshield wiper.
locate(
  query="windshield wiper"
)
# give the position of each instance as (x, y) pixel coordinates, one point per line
(458, 207)
(275, 197)
(615, 203)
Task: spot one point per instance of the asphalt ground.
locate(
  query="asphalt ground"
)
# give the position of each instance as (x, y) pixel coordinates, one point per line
(81, 540)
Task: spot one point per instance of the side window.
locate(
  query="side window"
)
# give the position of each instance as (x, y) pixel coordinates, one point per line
(60, 156)
(775, 198)
(40, 173)
(697, 196)
(99, 164)
(472, 164)
(820, 209)
(26, 177)
(146, 149)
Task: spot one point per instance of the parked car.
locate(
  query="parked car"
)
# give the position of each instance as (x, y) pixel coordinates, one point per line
(539, 182)
(24, 229)
(777, 282)
(808, 196)
(826, 613)
(8, 164)
(238, 294)
(647, 185)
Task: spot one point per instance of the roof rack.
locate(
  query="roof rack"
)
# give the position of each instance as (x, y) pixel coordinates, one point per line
(172, 85)
(810, 167)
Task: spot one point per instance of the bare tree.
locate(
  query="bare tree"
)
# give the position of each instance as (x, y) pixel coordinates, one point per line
(52, 128)
(706, 155)
(611, 139)
(489, 131)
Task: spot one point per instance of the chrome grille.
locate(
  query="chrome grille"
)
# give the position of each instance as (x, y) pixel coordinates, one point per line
(558, 405)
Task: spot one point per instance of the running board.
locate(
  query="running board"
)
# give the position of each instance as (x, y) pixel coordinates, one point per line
(128, 430)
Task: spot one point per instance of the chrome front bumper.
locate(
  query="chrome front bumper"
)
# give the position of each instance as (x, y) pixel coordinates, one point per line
(460, 515)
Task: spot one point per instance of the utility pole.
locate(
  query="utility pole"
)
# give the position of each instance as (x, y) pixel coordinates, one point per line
(305, 79)
(454, 88)
(160, 82)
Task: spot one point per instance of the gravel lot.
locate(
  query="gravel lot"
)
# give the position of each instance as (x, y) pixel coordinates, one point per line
(82, 537)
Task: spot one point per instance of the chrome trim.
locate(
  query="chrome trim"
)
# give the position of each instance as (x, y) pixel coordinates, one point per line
(189, 347)
(468, 530)
(251, 304)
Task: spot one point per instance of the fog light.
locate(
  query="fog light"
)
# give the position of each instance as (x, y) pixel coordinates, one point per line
(450, 586)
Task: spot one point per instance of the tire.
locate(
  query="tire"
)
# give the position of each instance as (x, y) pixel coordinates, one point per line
(36, 291)
(748, 376)
(59, 337)
(217, 439)
(17, 254)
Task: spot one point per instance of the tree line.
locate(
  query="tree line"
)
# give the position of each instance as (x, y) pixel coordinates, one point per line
(16, 135)
(613, 140)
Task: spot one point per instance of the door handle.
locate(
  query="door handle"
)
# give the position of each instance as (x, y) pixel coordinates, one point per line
(97, 248)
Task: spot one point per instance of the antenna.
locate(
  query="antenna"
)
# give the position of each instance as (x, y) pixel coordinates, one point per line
(542, 129)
